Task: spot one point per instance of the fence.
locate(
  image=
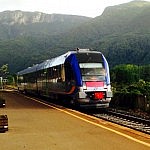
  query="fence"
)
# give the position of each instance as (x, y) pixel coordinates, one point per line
(131, 101)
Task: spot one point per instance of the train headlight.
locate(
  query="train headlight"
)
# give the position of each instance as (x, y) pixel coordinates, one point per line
(98, 95)
(5, 127)
(84, 86)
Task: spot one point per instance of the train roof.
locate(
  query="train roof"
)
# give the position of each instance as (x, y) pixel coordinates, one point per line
(54, 61)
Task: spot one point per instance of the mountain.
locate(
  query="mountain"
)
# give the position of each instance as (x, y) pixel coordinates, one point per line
(18, 23)
(115, 21)
(122, 33)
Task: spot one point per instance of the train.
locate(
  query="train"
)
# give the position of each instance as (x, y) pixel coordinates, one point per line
(80, 77)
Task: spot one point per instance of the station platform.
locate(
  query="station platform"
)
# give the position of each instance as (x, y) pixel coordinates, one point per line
(36, 126)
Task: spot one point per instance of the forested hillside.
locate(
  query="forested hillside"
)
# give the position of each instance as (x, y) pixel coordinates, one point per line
(122, 33)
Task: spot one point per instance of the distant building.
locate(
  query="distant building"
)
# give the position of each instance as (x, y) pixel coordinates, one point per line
(3, 82)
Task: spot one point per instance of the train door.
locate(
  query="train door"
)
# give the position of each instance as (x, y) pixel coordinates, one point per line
(69, 77)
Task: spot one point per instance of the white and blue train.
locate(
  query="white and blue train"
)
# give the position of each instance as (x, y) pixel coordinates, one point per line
(80, 77)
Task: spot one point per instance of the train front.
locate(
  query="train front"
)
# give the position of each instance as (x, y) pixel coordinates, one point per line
(96, 89)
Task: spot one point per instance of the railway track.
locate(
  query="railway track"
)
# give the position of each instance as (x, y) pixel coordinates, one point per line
(125, 119)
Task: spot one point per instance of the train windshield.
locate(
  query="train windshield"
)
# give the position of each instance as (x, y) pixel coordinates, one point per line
(92, 71)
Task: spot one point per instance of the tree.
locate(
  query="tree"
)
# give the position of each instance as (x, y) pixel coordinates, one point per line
(4, 70)
(125, 74)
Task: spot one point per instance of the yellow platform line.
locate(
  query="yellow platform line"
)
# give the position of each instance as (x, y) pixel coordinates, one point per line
(93, 123)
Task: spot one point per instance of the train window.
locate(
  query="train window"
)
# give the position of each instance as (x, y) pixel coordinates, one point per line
(91, 65)
(92, 71)
(68, 72)
(49, 74)
(89, 57)
(55, 73)
(30, 77)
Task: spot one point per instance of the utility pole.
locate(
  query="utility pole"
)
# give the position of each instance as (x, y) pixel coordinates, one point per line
(1, 82)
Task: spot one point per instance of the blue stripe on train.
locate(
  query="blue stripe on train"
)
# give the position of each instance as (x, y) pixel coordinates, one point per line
(107, 70)
(76, 69)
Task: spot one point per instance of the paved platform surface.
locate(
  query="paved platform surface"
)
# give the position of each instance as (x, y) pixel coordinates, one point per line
(34, 126)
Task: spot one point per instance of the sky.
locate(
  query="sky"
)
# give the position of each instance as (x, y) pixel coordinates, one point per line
(89, 8)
